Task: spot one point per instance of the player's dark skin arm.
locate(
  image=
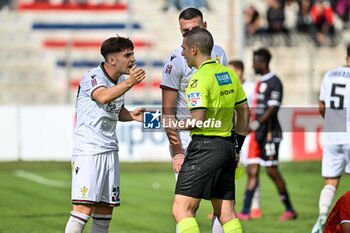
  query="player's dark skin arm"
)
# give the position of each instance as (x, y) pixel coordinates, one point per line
(270, 112)
(322, 108)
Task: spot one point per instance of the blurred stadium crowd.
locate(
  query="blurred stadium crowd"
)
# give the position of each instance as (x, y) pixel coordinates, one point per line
(323, 21)
(58, 45)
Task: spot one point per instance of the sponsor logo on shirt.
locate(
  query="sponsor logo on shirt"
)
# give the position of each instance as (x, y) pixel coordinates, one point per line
(195, 99)
(223, 78)
(194, 83)
(227, 92)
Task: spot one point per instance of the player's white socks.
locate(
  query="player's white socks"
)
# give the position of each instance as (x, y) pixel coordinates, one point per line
(216, 226)
(76, 222)
(100, 223)
(256, 199)
(326, 198)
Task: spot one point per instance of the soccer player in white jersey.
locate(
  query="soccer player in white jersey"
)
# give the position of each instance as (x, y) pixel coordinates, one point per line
(95, 161)
(334, 106)
(248, 86)
(176, 76)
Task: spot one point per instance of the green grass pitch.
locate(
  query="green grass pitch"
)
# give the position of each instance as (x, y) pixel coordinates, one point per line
(146, 195)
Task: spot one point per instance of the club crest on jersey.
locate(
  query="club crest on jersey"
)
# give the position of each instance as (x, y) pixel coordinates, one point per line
(194, 99)
(262, 87)
(168, 69)
(93, 81)
(223, 78)
(84, 191)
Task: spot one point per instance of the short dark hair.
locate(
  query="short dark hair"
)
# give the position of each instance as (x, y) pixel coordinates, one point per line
(348, 50)
(237, 63)
(115, 45)
(201, 38)
(190, 13)
(264, 53)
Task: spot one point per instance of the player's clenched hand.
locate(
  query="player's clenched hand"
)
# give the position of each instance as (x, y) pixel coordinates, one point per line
(137, 114)
(136, 75)
(178, 160)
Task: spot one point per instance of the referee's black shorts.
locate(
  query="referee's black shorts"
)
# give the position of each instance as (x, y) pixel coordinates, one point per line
(209, 169)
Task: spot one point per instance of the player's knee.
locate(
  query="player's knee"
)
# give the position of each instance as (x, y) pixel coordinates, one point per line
(272, 172)
(100, 209)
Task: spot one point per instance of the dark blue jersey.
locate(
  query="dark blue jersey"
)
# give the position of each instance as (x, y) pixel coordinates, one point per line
(269, 93)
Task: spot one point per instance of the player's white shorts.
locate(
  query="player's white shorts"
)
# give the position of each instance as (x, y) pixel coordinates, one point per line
(185, 139)
(95, 179)
(336, 159)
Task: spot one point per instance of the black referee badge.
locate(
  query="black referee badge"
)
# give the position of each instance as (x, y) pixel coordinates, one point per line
(152, 120)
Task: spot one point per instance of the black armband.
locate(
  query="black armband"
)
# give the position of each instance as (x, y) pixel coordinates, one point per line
(239, 141)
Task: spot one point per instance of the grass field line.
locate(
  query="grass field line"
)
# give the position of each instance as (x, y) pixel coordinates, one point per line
(41, 180)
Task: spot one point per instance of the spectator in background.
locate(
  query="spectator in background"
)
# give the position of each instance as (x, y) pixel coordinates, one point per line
(183, 4)
(199, 4)
(275, 19)
(342, 8)
(171, 5)
(303, 17)
(5, 4)
(322, 22)
(291, 9)
(252, 21)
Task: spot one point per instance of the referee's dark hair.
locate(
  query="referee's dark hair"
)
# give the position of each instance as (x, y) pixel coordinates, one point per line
(237, 63)
(115, 45)
(190, 13)
(201, 38)
(264, 54)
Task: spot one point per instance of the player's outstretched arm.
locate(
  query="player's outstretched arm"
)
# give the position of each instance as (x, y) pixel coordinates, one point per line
(136, 115)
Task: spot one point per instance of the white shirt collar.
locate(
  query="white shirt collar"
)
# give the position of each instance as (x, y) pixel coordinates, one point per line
(266, 76)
